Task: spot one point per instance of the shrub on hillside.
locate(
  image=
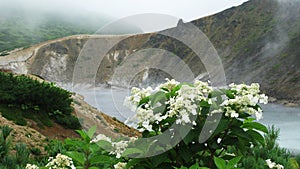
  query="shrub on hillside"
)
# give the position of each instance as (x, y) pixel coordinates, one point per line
(37, 97)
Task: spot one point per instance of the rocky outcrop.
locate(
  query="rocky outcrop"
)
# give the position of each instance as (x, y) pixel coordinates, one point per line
(257, 42)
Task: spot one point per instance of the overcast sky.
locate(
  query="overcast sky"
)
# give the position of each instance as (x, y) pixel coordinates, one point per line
(186, 9)
(117, 9)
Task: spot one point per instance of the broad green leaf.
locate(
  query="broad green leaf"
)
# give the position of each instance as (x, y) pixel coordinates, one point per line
(220, 163)
(83, 135)
(157, 160)
(248, 120)
(76, 156)
(204, 104)
(222, 126)
(100, 159)
(91, 132)
(240, 133)
(79, 167)
(144, 101)
(175, 89)
(256, 136)
(233, 162)
(132, 163)
(255, 125)
(185, 154)
(104, 144)
(192, 135)
(195, 166)
(157, 97)
(229, 94)
(94, 168)
(131, 151)
(182, 167)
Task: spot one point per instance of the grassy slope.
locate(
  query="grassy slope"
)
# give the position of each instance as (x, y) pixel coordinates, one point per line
(18, 30)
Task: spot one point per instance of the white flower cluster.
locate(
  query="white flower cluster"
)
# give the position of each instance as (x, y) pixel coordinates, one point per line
(118, 147)
(136, 96)
(146, 116)
(60, 162)
(31, 166)
(182, 105)
(185, 103)
(101, 137)
(169, 85)
(120, 165)
(273, 164)
(245, 99)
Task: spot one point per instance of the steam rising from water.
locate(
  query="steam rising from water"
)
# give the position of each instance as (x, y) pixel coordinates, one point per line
(287, 10)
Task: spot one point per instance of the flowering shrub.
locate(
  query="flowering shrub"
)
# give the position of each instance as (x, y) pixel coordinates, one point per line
(273, 164)
(59, 162)
(180, 112)
(31, 166)
(173, 105)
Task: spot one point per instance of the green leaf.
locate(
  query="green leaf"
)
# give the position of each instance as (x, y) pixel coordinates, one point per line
(220, 163)
(248, 120)
(76, 156)
(185, 154)
(131, 151)
(195, 166)
(144, 101)
(255, 125)
(157, 97)
(204, 104)
(83, 135)
(233, 162)
(91, 132)
(175, 89)
(93, 168)
(182, 167)
(100, 159)
(240, 133)
(222, 126)
(104, 144)
(256, 136)
(133, 162)
(229, 94)
(157, 160)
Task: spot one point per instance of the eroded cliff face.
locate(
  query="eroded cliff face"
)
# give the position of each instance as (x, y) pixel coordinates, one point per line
(257, 42)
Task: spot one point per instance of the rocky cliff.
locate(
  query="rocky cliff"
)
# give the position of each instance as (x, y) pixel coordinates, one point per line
(257, 42)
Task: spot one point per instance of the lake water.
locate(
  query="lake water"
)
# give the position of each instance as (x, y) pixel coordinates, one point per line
(110, 101)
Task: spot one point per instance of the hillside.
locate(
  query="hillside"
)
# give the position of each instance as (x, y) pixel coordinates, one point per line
(257, 42)
(22, 29)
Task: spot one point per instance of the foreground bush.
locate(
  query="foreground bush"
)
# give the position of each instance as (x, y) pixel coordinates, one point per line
(40, 99)
(188, 126)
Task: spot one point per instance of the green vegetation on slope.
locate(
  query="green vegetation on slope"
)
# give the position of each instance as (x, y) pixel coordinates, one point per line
(23, 97)
(19, 30)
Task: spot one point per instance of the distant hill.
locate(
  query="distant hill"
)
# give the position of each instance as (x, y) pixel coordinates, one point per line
(24, 28)
(257, 42)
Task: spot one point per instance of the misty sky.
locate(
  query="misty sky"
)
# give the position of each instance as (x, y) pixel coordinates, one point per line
(186, 9)
(116, 9)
